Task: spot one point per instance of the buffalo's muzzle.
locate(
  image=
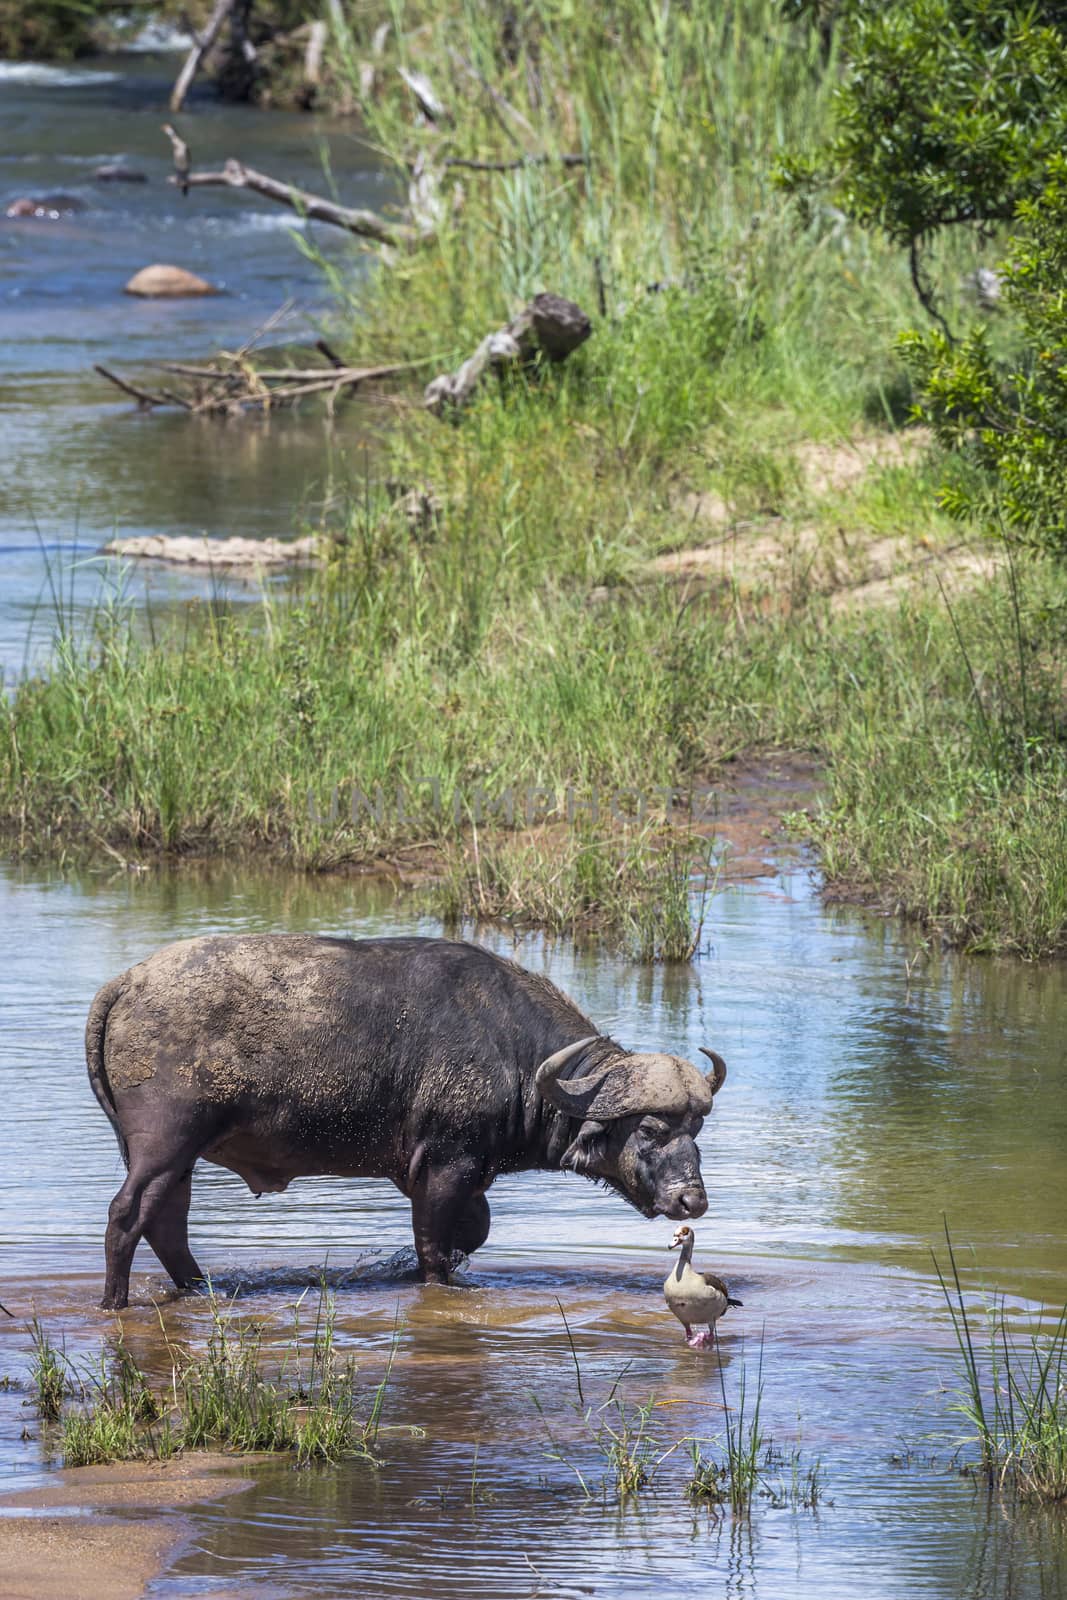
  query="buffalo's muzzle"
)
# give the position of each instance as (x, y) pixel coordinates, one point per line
(689, 1202)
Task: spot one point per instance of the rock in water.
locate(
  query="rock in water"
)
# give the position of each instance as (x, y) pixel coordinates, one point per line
(159, 280)
(118, 172)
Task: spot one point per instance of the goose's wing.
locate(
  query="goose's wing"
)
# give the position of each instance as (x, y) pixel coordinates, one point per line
(713, 1281)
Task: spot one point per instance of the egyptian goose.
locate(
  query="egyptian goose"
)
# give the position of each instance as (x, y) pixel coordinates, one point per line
(695, 1296)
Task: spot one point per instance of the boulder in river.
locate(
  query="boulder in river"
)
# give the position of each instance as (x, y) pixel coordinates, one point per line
(45, 205)
(159, 280)
(118, 172)
(186, 551)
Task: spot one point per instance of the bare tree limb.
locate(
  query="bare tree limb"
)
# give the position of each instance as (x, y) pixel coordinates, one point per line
(144, 400)
(365, 224)
(429, 103)
(510, 166)
(233, 385)
(182, 158)
(924, 289)
(318, 34)
(204, 41)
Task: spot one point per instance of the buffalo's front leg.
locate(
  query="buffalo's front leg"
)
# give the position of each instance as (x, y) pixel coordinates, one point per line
(472, 1228)
(444, 1201)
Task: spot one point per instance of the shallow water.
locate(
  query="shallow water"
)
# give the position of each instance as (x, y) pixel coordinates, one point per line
(79, 464)
(861, 1104)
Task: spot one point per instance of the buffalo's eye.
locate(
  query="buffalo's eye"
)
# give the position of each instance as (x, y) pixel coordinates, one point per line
(653, 1128)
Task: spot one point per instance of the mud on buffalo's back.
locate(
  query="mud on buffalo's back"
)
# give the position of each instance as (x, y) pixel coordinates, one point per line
(312, 1018)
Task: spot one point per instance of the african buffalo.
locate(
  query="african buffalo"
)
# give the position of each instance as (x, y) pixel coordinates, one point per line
(436, 1064)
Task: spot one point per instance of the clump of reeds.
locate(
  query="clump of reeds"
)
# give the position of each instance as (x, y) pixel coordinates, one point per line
(228, 1396)
(731, 1476)
(49, 1376)
(628, 1438)
(744, 1463)
(1013, 1397)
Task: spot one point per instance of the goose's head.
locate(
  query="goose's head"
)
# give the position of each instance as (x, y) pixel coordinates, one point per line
(682, 1236)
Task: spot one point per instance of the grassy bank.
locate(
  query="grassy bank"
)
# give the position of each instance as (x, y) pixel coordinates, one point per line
(698, 537)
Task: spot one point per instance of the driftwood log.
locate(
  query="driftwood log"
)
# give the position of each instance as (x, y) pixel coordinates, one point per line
(232, 554)
(549, 326)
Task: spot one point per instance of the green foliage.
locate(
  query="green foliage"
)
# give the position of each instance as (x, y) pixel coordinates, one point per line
(55, 28)
(1008, 419)
(633, 885)
(948, 112)
(50, 1382)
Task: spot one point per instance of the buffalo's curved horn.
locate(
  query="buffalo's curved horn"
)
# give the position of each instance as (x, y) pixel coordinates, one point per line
(566, 1096)
(718, 1074)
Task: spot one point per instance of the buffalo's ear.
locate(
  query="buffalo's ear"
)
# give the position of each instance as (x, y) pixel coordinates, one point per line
(588, 1149)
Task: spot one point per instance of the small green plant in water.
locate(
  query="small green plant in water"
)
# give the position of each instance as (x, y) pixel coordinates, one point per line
(733, 1476)
(1014, 1398)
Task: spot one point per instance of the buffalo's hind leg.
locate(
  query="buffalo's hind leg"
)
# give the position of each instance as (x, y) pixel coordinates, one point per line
(168, 1234)
(151, 1181)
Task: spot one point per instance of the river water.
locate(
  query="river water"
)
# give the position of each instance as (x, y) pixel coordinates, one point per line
(872, 1090)
(79, 464)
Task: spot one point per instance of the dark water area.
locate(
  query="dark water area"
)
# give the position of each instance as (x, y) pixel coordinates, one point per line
(862, 1103)
(78, 463)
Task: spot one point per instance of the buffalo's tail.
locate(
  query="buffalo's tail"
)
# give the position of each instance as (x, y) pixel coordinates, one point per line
(95, 1028)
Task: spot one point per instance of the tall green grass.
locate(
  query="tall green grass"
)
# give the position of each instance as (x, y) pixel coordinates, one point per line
(937, 800)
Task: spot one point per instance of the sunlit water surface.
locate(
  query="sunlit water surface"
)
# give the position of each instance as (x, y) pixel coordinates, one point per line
(861, 1104)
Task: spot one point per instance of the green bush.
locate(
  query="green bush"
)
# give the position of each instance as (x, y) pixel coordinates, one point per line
(948, 112)
(1010, 417)
(55, 28)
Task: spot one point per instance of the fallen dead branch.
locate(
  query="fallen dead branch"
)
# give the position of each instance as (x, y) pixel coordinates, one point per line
(365, 224)
(549, 326)
(230, 384)
(185, 551)
(144, 399)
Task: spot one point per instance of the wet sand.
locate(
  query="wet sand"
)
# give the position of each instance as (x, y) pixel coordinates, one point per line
(84, 1554)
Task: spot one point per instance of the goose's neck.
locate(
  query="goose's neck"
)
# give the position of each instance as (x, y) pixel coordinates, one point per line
(685, 1256)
